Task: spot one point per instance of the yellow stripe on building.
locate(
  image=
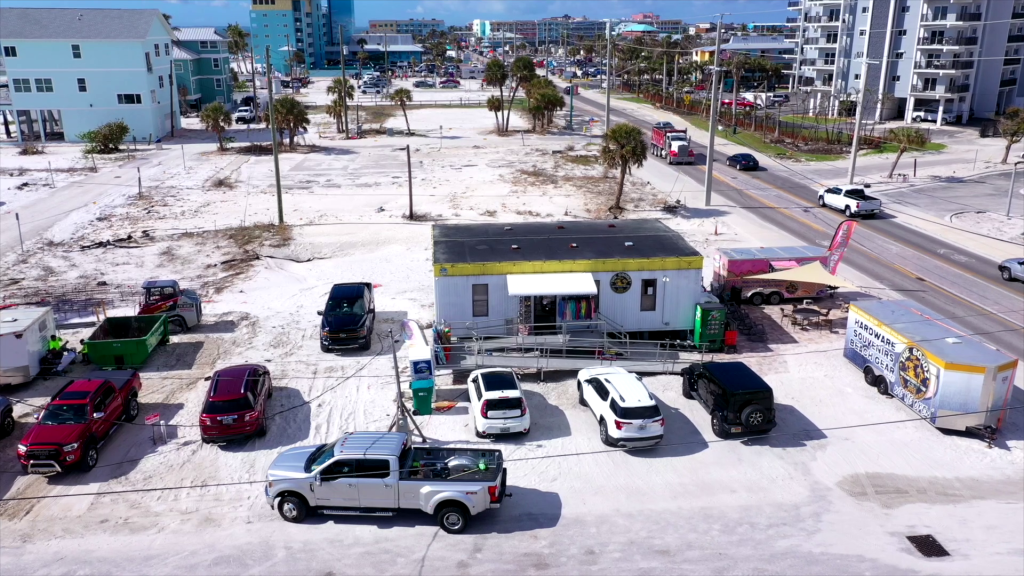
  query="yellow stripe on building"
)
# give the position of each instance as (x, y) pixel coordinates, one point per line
(553, 266)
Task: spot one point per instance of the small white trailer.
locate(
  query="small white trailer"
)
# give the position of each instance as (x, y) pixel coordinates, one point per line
(24, 333)
(927, 362)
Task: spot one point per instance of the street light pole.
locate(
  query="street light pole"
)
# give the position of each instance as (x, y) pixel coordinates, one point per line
(273, 138)
(860, 115)
(608, 80)
(344, 83)
(709, 163)
(1009, 193)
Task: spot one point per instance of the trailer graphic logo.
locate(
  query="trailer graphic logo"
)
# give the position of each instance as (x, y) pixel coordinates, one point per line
(915, 373)
(620, 283)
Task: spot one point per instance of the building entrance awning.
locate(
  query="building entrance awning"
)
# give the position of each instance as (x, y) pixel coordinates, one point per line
(565, 284)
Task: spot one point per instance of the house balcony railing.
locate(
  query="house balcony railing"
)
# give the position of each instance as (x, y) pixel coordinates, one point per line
(818, 62)
(1007, 82)
(793, 20)
(1011, 61)
(932, 18)
(1015, 38)
(937, 65)
(5, 96)
(962, 88)
(963, 64)
(1016, 15)
(794, 4)
(822, 20)
(951, 42)
(818, 41)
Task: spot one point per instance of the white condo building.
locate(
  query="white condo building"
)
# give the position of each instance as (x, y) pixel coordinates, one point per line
(962, 56)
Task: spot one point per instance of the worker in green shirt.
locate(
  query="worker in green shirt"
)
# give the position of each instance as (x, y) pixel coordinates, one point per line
(55, 343)
(84, 352)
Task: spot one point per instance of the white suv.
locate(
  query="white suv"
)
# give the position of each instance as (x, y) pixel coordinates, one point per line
(497, 403)
(627, 414)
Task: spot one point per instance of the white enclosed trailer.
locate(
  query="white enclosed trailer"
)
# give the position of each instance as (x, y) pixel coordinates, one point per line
(936, 368)
(24, 333)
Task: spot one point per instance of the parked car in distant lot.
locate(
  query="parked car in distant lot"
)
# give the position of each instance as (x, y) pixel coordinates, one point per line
(449, 81)
(737, 399)
(347, 318)
(368, 89)
(497, 404)
(931, 114)
(739, 104)
(423, 84)
(6, 417)
(778, 99)
(742, 161)
(627, 414)
(236, 404)
(1012, 269)
(449, 86)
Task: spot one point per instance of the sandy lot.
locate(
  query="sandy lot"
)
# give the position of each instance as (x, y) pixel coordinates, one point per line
(835, 489)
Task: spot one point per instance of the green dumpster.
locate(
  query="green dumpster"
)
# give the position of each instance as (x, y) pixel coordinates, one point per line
(126, 341)
(423, 396)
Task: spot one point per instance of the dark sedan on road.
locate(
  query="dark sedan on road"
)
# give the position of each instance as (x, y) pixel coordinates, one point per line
(742, 162)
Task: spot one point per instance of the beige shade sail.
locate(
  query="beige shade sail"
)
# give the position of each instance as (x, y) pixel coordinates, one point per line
(812, 272)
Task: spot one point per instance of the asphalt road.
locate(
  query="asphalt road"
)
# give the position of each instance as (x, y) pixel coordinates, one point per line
(982, 192)
(937, 274)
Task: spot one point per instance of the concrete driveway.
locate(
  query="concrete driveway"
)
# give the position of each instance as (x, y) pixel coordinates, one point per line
(985, 192)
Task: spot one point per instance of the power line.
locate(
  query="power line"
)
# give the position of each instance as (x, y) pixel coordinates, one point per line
(526, 458)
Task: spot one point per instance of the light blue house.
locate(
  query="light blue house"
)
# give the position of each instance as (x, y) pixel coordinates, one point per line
(70, 70)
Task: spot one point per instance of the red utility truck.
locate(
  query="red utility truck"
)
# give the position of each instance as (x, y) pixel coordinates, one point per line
(78, 420)
(665, 140)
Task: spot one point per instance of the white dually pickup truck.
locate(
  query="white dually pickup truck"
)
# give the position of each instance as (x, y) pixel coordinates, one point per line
(378, 473)
(850, 200)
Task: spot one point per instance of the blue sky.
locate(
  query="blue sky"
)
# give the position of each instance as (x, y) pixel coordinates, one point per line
(222, 12)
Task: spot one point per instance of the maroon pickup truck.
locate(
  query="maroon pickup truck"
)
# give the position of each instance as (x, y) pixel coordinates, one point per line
(78, 419)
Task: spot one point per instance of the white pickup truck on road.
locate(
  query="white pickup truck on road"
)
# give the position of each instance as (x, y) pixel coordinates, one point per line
(850, 200)
(378, 473)
(245, 115)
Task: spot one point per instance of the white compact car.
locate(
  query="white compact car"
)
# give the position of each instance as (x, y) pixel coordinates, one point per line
(497, 403)
(626, 411)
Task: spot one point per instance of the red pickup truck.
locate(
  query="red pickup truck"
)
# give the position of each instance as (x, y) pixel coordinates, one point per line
(78, 419)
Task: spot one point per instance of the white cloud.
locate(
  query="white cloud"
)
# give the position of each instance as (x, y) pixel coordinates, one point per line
(418, 9)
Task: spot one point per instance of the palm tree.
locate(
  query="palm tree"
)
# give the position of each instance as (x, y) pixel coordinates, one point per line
(906, 138)
(238, 46)
(522, 72)
(296, 60)
(623, 148)
(737, 64)
(363, 57)
(495, 76)
(339, 88)
(550, 100)
(216, 118)
(494, 104)
(402, 96)
(290, 115)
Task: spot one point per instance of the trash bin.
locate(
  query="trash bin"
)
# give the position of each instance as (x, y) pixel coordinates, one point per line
(735, 130)
(423, 396)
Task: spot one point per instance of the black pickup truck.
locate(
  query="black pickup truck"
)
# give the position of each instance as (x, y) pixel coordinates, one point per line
(738, 400)
(347, 318)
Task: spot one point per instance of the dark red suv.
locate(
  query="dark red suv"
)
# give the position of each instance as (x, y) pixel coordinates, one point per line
(236, 404)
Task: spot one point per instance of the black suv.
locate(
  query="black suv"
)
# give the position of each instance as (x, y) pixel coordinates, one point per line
(736, 397)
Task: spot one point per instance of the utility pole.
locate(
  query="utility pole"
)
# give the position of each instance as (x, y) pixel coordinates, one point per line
(860, 113)
(713, 122)
(255, 100)
(170, 85)
(273, 138)
(1013, 178)
(608, 81)
(515, 33)
(291, 68)
(408, 164)
(387, 64)
(675, 81)
(344, 87)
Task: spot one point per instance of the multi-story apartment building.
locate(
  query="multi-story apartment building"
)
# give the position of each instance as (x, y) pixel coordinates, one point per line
(72, 69)
(548, 30)
(287, 26)
(202, 66)
(415, 28)
(957, 55)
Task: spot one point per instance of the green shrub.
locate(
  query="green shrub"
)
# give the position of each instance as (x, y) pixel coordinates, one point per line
(105, 139)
